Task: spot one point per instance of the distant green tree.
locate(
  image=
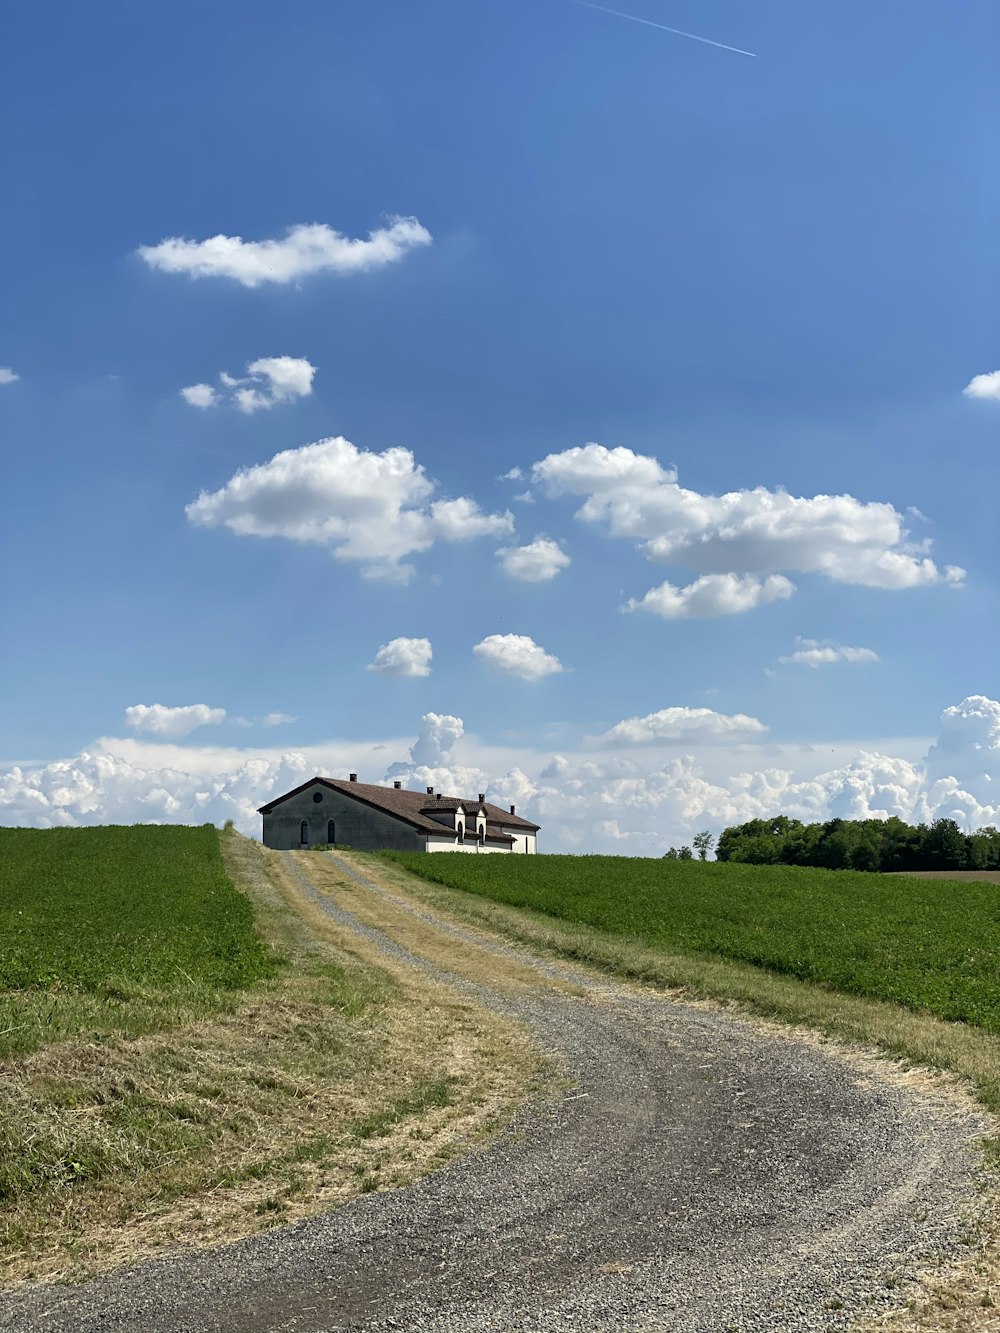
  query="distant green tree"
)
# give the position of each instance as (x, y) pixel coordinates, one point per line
(984, 849)
(671, 854)
(684, 854)
(703, 844)
(860, 844)
(864, 856)
(944, 846)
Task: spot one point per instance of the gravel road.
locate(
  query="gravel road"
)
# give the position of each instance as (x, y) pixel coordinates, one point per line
(702, 1175)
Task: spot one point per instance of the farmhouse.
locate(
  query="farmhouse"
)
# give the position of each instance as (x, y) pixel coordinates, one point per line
(372, 819)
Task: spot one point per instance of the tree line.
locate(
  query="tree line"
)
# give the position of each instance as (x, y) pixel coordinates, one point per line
(860, 844)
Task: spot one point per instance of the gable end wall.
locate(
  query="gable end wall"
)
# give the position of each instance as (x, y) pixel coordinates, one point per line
(357, 825)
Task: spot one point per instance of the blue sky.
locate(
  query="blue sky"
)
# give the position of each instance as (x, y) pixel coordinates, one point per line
(775, 272)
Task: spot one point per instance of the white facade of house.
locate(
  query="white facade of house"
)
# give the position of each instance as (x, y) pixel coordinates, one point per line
(475, 842)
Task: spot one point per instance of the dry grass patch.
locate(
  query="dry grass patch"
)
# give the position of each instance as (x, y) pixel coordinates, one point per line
(329, 1079)
(461, 958)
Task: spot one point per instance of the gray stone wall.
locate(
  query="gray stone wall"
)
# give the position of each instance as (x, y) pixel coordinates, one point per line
(355, 824)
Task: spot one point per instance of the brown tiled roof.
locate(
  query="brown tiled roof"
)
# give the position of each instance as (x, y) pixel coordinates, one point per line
(448, 805)
(409, 806)
(496, 815)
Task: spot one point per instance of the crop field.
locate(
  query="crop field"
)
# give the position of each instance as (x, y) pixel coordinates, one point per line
(925, 944)
(82, 908)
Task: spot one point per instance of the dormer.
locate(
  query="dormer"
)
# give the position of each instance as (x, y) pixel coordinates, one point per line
(481, 818)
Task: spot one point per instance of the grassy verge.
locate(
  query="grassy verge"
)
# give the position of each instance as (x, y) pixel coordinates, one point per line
(202, 1112)
(925, 945)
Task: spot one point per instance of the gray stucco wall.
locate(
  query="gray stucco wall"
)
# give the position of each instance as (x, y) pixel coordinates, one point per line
(355, 825)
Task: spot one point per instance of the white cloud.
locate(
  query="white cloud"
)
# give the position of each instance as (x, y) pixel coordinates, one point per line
(438, 736)
(366, 507)
(304, 250)
(269, 380)
(712, 595)
(200, 395)
(652, 798)
(537, 562)
(515, 474)
(518, 655)
(525, 497)
(681, 724)
(433, 762)
(172, 722)
(756, 532)
(8, 376)
(813, 653)
(403, 657)
(277, 719)
(984, 386)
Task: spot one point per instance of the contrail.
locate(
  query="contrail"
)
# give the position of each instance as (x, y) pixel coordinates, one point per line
(678, 32)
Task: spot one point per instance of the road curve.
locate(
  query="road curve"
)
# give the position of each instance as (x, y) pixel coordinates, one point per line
(699, 1175)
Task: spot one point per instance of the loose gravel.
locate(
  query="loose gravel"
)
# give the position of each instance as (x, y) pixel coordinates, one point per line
(696, 1174)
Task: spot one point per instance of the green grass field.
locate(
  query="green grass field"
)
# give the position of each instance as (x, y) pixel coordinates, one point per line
(84, 908)
(924, 944)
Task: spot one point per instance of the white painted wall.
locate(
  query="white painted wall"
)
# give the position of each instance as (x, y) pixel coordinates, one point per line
(524, 842)
(441, 844)
(470, 845)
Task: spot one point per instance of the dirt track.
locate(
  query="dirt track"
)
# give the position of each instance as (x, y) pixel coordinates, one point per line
(695, 1172)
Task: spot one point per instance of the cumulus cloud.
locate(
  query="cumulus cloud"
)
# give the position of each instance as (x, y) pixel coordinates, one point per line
(100, 787)
(433, 763)
(813, 653)
(403, 657)
(173, 722)
(269, 380)
(374, 509)
(712, 595)
(518, 655)
(8, 376)
(438, 736)
(537, 562)
(304, 250)
(653, 799)
(681, 724)
(200, 395)
(755, 532)
(984, 386)
(653, 805)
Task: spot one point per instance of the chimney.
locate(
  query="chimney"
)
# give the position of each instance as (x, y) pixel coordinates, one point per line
(430, 791)
(397, 785)
(512, 811)
(482, 797)
(354, 777)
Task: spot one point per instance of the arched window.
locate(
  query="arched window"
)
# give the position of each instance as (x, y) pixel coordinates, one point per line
(482, 834)
(331, 832)
(304, 833)
(461, 831)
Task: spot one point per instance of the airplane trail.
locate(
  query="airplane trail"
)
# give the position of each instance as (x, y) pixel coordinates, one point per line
(678, 32)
